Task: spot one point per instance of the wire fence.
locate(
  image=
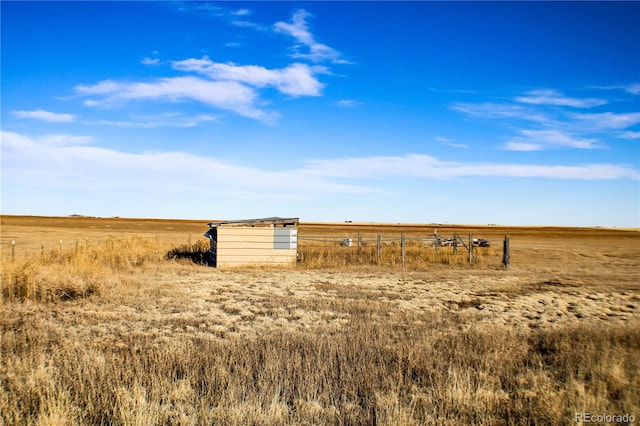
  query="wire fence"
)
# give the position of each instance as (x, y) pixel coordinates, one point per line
(357, 248)
(19, 248)
(402, 249)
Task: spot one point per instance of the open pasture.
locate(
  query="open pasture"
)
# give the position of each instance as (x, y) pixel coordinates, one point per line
(120, 334)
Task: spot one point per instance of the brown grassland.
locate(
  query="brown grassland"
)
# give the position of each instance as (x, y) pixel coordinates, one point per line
(120, 324)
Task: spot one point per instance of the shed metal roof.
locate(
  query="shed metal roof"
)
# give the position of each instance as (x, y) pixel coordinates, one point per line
(253, 222)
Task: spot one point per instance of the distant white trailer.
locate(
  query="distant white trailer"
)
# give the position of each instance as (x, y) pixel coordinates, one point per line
(268, 241)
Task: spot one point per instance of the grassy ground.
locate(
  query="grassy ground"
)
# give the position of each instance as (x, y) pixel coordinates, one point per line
(117, 333)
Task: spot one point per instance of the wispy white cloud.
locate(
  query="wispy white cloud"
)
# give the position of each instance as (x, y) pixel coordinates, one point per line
(160, 120)
(455, 145)
(536, 140)
(74, 165)
(299, 30)
(243, 23)
(242, 12)
(43, 115)
(59, 140)
(633, 88)
(348, 103)
(150, 61)
(69, 163)
(443, 139)
(450, 142)
(418, 165)
(295, 80)
(551, 121)
(227, 95)
(629, 135)
(445, 90)
(517, 144)
(495, 110)
(553, 97)
(608, 120)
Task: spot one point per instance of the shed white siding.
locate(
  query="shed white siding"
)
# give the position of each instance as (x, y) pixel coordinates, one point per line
(245, 245)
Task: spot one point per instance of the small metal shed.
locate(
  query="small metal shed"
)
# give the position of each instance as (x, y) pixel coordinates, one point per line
(267, 241)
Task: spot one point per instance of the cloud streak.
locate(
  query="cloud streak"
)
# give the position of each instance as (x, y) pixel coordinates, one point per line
(536, 140)
(299, 30)
(448, 142)
(608, 120)
(553, 97)
(295, 80)
(545, 119)
(493, 110)
(226, 95)
(160, 120)
(425, 166)
(74, 165)
(70, 162)
(43, 115)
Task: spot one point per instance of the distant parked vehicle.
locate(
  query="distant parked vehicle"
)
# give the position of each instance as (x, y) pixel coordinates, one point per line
(481, 242)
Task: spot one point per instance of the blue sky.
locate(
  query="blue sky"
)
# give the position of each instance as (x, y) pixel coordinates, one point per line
(509, 112)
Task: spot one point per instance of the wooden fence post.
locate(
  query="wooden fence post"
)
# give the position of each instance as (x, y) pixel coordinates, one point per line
(402, 245)
(470, 248)
(359, 241)
(13, 250)
(61, 247)
(505, 254)
(378, 246)
(76, 246)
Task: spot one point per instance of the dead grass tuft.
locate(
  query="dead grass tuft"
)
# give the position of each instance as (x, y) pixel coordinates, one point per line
(72, 274)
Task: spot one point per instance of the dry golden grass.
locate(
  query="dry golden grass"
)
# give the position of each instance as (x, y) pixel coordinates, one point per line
(62, 275)
(132, 331)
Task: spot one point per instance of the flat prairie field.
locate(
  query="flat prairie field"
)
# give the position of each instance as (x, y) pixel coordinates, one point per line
(119, 324)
